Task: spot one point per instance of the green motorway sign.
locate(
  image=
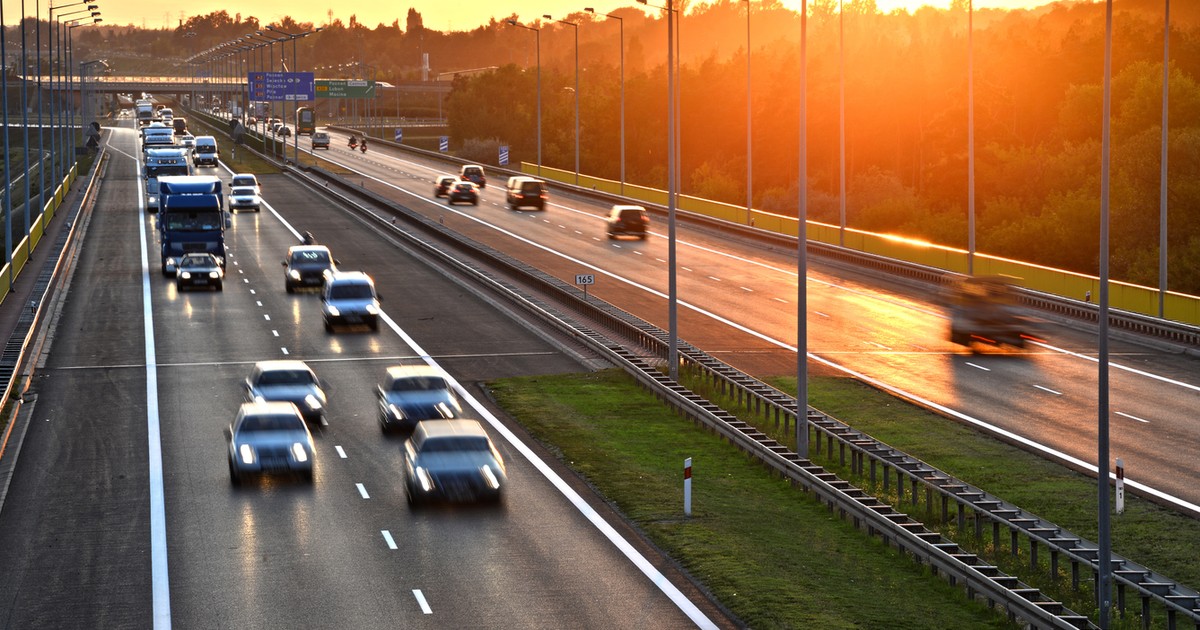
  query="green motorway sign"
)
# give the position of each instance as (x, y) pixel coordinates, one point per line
(342, 88)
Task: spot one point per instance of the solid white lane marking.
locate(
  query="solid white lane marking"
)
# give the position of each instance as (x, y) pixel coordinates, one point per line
(391, 542)
(159, 576)
(421, 600)
(362, 490)
(980, 367)
(1047, 389)
(680, 600)
(1121, 413)
(1117, 366)
(340, 451)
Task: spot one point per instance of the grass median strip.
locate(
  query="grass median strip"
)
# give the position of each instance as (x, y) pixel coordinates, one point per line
(771, 554)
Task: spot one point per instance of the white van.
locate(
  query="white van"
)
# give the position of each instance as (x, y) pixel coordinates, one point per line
(205, 152)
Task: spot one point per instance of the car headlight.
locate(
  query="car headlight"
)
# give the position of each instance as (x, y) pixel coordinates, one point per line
(332, 310)
(247, 453)
(372, 309)
(300, 452)
(312, 402)
(294, 274)
(185, 275)
(395, 411)
(489, 477)
(214, 275)
(259, 398)
(426, 481)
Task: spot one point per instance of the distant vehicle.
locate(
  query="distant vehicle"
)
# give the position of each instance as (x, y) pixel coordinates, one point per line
(306, 121)
(244, 198)
(205, 152)
(320, 140)
(473, 173)
(985, 309)
(628, 221)
(187, 141)
(526, 191)
(452, 460)
(246, 179)
(412, 393)
(283, 130)
(199, 270)
(269, 438)
(157, 136)
(349, 298)
(465, 192)
(179, 125)
(145, 112)
(288, 381)
(163, 162)
(441, 185)
(305, 266)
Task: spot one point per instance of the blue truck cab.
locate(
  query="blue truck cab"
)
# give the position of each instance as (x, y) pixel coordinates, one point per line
(191, 218)
(163, 163)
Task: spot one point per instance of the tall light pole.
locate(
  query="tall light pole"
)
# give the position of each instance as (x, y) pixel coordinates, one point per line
(802, 250)
(1104, 577)
(25, 113)
(621, 43)
(970, 137)
(672, 276)
(749, 128)
(64, 72)
(7, 171)
(295, 68)
(841, 125)
(1162, 174)
(537, 38)
(575, 25)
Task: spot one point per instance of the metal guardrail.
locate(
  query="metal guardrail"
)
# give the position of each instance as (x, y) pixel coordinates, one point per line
(945, 557)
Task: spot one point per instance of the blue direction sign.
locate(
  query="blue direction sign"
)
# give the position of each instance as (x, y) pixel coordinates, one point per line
(504, 155)
(444, 143)
(399, 136)
(282, 86)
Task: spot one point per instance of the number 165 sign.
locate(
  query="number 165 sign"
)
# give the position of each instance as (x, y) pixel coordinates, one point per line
(585, 279)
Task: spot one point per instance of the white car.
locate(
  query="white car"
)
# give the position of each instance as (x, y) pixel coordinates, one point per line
(188, 141)
(244, 198)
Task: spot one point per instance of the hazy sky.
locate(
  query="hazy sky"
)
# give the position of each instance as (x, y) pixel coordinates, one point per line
(457, 15)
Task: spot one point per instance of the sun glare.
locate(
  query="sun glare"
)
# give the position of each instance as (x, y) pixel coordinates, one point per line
(887, 6)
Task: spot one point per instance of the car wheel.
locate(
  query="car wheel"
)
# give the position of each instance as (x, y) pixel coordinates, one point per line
(328, 327)
(642, 236)
(307, 476)
(374, 324)
(220, 286)
(475, 202)
(288, 287)
(235, 477)
(611, 236)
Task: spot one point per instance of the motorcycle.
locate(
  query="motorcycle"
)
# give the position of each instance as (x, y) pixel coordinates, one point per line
(353, 143)
(363, 146)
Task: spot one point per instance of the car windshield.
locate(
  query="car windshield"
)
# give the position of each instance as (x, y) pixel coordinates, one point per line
(351, 292)
(164, 170)
(243, 181)
(310, 257)
(286, 377)
(458, 443)
(206, 148)
(531, 187)
(254, 424)
(191, 262)
(192, 221)
(419, 384)
(242, 190)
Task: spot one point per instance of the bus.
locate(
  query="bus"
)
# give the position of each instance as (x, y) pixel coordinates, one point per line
(306, 121)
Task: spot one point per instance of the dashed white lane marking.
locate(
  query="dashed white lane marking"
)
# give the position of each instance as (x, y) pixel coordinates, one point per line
(1047, 389)
(275, 332)
(747, 289)
(391, 542)
(340, 451)
(978, 367)
(825, 315)
(245, 280)
(780, 300)
(714, 278)
(685, 268)
(878, 345)
(284, 350)
(637, 252)
(258, 302)
(267, 317)
(1121, 413)
(421, 600)
(252, 292)
(362, 490)
(660, 260)
(578, 232)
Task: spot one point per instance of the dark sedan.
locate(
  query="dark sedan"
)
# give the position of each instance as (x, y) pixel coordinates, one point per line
(199, 270)
(412, 393)
(464, 192)
(306, 266)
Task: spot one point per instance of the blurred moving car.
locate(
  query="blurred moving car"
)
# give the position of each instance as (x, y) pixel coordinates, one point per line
(452, 460)
(246, 179)
(305, 266)
(283, 131)
(349, 298)
(244, 198)
(288, 381)
(465, 192)
(199, 269)
(412, 393)
(269, 438)
(320, 140)
(986, 309)
(187, 141)
(628, 221)
(526, 191)
(473, 173)
(441, 185)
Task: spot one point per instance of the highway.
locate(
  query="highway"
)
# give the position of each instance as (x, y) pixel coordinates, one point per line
(738, 302)
(137, 381)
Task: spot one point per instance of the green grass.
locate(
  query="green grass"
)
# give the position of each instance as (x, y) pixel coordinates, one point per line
(1147, 533)
(770, 553)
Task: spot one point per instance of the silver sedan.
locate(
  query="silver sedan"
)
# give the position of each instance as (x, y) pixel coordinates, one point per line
(269, 438)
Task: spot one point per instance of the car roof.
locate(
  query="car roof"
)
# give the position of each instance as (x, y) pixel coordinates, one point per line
(250, 175)
(268, 408)
(350, 277)
(405, 371)
(307, 248)
(450, 428)
(281, 364)
(442, 178)
(639, 208)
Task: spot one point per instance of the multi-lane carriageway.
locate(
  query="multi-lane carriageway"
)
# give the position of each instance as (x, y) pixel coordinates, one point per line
(739, 304)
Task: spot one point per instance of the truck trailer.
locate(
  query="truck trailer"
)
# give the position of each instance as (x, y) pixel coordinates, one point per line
(191, 218)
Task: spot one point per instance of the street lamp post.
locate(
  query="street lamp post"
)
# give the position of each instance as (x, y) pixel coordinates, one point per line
(575, 25)
(621, 44)
(749, 128)
(537, 38)
(295, 68)
(7, 171)
(64, 71)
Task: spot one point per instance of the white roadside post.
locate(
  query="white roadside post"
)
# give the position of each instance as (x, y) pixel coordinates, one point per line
(687, 486)
(1120, 486)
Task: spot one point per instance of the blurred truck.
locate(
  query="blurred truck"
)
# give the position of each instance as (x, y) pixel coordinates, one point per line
(985, 309)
